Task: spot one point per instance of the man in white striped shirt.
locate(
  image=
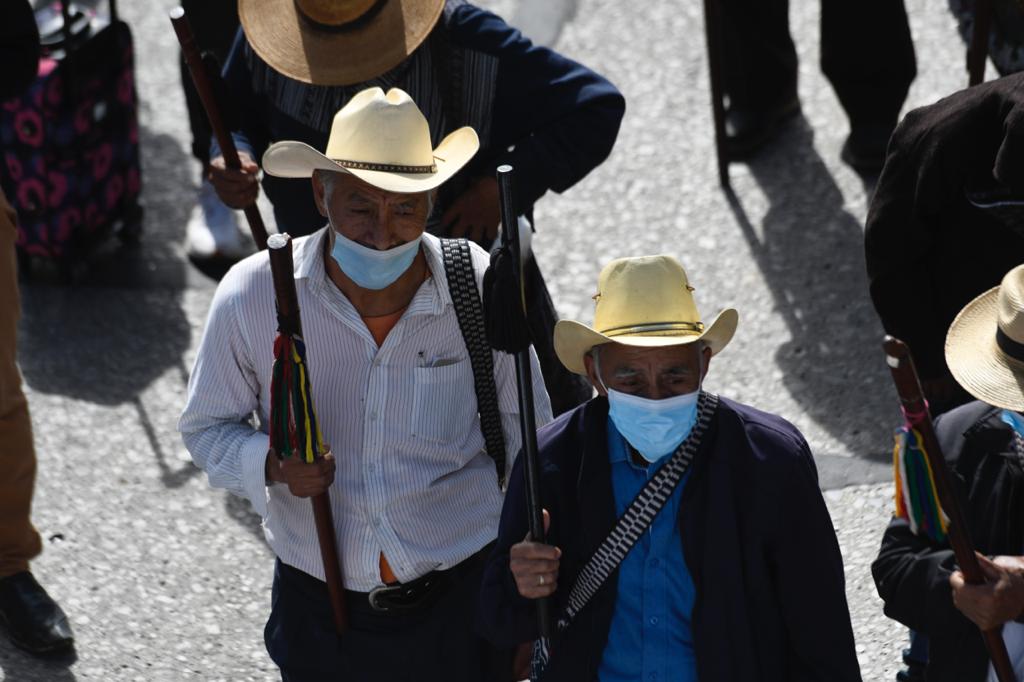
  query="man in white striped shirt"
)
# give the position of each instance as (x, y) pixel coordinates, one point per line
(415, 496)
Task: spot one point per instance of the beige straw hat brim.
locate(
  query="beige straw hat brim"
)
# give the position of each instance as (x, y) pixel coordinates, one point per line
(574, 339)
(287, 42)
(290, 159)
(977, 362)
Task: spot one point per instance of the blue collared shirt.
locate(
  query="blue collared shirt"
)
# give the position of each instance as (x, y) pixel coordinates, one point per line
(650, 639)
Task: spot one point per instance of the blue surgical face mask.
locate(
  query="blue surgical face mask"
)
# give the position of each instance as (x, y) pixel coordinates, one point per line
(369, 268)
(655, 428)
(1014, 420)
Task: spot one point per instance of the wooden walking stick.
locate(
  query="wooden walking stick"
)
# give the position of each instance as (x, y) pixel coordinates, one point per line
(294, 429)
(204, 82)
(919, 426)
(977, 51)
(524, 379)
(713, 38)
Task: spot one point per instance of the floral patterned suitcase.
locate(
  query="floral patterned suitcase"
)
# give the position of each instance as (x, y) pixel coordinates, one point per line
(70, 145)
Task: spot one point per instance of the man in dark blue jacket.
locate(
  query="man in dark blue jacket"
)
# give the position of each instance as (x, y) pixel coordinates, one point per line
(738, 576)
(297, 62)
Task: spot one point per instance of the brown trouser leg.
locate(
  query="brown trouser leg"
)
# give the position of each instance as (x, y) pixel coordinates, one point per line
(19, 541)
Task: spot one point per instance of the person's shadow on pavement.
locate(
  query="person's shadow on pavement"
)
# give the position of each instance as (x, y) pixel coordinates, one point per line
(810, 251)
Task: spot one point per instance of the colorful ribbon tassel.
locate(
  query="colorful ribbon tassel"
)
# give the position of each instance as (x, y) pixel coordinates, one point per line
(917, 499)
(294, 428)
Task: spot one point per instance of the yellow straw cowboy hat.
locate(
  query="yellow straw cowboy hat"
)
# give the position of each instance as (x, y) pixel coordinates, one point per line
(336, 42)
(381, 139)
(644, 301)
(985, 344)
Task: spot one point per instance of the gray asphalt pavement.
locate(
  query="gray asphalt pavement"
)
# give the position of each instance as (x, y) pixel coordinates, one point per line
(165, 579)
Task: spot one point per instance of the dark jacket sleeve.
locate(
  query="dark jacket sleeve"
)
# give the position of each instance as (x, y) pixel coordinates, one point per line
(249, 132)
(809, 575)
(897, 245)
(507, 618)
(19, 47)
(912, 577)
(561, 118)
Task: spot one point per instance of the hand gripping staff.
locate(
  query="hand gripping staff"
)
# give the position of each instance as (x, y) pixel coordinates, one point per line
(508, 331)
(205, 85)
(294, 429)
(919, 428)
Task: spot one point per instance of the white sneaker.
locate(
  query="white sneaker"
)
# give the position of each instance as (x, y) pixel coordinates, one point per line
(212, 230)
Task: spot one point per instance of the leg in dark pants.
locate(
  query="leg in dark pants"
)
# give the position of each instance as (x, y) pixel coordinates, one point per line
(868, 56)
(760, 58)
(434, 643)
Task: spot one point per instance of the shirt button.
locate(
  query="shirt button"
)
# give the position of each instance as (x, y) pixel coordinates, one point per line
(373, 416)
(654, 621)
(370, 468)
(652, 676)
(654, 563)
(377, 521)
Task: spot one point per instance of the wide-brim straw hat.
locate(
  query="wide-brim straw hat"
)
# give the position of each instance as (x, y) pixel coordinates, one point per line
(985, 344)
(336, 42)
(381, 139)
(644, 301)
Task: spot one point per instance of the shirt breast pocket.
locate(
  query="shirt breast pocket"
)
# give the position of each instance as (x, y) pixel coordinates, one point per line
(444, 402)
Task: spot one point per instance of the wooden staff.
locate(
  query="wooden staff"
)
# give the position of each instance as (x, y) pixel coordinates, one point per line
(524, 379)
(908, 386)
(204, 82)
(713, 38)
(977, 51)
(289, 322)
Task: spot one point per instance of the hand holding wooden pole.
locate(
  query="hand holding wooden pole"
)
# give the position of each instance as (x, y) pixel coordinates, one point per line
(204, 86)
(915, 408)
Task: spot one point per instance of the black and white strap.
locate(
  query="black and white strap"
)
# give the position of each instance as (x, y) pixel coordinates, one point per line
(458, 267)
(631, 526)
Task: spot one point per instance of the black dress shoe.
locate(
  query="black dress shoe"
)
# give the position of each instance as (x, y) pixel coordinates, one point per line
(747, 129)
(864, 150)
(34, 621)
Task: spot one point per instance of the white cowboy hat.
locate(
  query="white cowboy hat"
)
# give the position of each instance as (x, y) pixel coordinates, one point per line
(381, 139)
(644, 301)
(337, 42)
(985, 344)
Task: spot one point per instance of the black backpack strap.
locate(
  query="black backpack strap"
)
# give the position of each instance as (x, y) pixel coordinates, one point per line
(458, 267)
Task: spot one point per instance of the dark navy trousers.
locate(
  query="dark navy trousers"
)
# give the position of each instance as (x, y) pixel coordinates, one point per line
(437, 642)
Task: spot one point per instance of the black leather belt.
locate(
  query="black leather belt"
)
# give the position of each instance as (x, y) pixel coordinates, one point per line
(411, 595)
(422, 591)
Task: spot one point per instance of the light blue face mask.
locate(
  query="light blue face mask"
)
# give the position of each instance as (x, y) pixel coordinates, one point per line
(370, 268)
(655, 428)
(1014, 420)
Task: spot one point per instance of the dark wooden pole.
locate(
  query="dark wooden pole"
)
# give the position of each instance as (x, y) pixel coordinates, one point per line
(204, 86)
(283, 270)
(977, 51)
(713, 38)
(524, 377)
(904, 375)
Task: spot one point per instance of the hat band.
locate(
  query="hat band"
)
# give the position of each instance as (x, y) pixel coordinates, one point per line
(1014, 349)
(386, 167)
(360, 21)
(697, 327)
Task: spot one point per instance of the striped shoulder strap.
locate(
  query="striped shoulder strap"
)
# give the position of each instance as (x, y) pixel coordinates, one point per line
(631, 526)
(458, 268)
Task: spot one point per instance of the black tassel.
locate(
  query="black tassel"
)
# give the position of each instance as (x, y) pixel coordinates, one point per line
(504, 318)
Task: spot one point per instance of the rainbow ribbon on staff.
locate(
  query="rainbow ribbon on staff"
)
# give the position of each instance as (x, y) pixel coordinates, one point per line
(917, 499)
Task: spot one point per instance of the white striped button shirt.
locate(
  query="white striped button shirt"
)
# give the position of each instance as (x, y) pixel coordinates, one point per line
(413, 480)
